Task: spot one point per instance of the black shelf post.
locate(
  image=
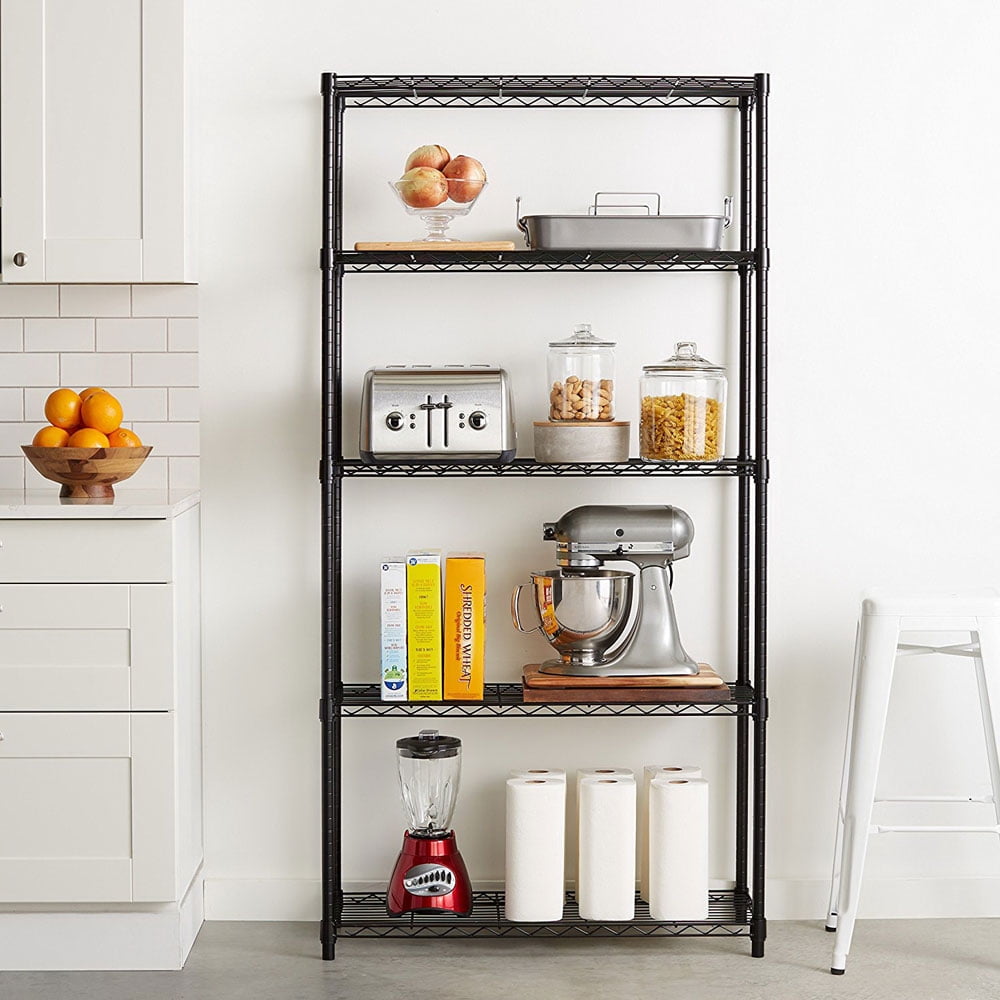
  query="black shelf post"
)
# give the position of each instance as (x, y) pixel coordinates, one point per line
(732, 912)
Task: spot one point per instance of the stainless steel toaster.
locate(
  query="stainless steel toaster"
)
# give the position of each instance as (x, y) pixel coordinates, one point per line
(447, 413)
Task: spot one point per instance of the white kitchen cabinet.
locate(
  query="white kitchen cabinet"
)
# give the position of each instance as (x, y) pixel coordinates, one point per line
(94, 158)
(100, 735)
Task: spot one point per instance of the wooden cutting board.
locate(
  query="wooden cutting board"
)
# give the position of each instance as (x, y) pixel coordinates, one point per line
(438, 246)
(706, 686)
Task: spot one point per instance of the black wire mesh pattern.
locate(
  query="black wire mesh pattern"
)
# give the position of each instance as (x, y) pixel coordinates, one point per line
(360, 700)
(382, 261)
(541, 91)
(529, 467)
(364, 915)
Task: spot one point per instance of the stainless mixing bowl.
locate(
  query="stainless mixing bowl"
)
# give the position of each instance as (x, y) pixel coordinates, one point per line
(582, 615)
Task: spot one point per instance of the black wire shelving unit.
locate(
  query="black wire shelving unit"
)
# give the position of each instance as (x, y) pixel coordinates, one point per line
(733, 912)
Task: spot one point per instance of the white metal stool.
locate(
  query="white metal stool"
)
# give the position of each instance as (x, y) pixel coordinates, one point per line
(885, 615)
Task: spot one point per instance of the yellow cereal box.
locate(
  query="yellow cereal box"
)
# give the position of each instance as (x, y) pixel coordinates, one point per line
(423, 624)
(464, 626)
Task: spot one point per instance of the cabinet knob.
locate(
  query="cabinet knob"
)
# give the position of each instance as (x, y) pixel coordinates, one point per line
(20, 259)
(2, 737)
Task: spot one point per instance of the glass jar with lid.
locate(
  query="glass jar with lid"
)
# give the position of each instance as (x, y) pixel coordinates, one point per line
(581, 377)
(683, 408)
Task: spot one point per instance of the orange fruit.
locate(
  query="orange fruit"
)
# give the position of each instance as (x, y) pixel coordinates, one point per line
(50, 437)
(102, 412)
(87, 437)
(84, 393)
(62, 409)
(123, 438)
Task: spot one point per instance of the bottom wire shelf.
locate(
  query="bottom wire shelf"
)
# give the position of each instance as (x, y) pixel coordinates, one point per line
(364, 915)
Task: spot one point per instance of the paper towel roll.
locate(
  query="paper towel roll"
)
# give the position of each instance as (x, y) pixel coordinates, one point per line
(536, 833)
(678, 849)
(605, 885)
(621, 773)
(548, 774)
(649, 772)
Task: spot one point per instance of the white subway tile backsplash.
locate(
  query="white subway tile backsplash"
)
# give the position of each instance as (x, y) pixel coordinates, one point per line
(95, 300)
(164, 300)
(29, 300)
(11, 404)
(11, 334)
(185, 473)
(183, 334)
(13, 435)
(184, 404)
(29, 369)
(59, 335)
(169, 438)
(140, 342)
(131, 334)
(80, 370)
(12, 473)
(165, 369)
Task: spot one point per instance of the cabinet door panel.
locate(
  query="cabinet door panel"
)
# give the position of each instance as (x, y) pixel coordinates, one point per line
(88, 807)
(93, 151)
(86, 647)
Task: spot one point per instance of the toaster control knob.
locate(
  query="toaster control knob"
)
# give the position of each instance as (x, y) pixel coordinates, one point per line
(477, 420)
(394, 421)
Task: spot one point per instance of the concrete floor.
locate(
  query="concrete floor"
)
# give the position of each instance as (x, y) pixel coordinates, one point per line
(893, 959)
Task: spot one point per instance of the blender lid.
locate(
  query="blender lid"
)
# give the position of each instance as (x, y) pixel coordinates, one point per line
(429, 744)
(582, 337)
(686, 359)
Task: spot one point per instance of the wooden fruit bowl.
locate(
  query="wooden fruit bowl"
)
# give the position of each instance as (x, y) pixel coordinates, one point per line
(86, 473)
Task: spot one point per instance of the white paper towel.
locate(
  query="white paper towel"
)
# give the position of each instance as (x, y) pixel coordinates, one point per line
(678, 849)
(621, 773)
(605, 885)
(649, 772)
(536, 834)
(546, 773)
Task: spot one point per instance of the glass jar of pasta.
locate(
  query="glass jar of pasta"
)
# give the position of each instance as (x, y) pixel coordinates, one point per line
(683, 408)
(582, 377)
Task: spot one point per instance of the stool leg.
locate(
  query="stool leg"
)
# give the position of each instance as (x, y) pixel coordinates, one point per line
(989, 698)
(878, 638)
(838, 846)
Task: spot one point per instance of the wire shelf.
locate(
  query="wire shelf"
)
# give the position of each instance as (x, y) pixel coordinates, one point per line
(364, 915)
(634, 467)
(364, 700)
(384, 261)
(541, 91)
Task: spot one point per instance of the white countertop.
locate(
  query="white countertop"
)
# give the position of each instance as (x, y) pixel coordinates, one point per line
(135, 504)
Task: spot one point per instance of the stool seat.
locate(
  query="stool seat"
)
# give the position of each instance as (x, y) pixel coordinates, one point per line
(887, 615)
(981, 602)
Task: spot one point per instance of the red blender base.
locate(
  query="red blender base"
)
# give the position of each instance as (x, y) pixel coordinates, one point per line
(429, 876)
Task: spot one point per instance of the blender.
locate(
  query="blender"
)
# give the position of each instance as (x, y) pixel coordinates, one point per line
(430, 875)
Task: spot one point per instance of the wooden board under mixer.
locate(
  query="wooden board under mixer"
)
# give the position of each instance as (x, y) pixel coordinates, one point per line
(705, 686)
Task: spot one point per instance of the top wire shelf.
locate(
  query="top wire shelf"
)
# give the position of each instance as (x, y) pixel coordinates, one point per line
(540, 91)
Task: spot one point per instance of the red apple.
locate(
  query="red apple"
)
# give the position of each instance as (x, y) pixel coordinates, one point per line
(435, 157)
(466, 178)
(423, 187)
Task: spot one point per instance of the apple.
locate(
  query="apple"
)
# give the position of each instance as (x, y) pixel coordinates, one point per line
(466, 178)
(435, 157)
(423, 187)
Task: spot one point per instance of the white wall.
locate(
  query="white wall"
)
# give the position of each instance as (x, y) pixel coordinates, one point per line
(883, 314)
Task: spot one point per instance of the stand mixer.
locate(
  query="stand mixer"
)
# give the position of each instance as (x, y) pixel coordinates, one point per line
(584, 610)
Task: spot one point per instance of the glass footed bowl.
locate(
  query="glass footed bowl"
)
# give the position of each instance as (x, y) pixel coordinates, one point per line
(438, 217)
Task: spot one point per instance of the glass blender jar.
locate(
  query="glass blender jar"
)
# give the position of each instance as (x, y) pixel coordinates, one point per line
(581, 377)
(683, 408)
(430, 873)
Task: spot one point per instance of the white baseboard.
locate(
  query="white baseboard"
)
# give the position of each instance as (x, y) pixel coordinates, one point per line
(787, 899)
(127, 938)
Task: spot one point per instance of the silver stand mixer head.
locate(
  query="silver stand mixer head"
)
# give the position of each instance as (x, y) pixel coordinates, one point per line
(652, 537)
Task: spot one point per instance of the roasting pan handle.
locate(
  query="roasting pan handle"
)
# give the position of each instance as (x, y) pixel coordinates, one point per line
(597, 206)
